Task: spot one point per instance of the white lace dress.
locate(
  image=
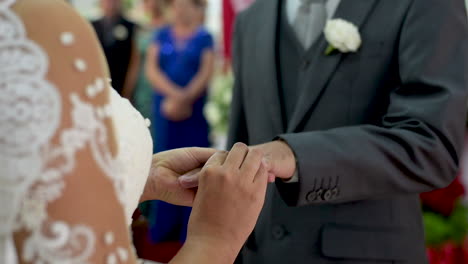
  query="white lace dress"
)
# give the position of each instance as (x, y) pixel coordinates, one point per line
(40, 143)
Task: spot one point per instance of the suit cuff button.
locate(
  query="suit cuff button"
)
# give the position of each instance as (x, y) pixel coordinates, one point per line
(320, 193)
(335, 192)
(311, 196)
(327, 195)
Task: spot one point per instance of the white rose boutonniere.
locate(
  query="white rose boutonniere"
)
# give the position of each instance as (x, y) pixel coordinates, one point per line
(120, 32)
(341, 35)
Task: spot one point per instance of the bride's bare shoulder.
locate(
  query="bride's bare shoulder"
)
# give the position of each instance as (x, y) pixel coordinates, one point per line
(75, 55)
(47, 13)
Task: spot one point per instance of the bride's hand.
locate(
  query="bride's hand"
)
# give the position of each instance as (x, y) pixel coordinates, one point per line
(167, 167)
(190, 180)
(228, 202)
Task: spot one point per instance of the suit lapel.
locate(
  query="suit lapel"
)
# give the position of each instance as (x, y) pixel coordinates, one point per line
(266, 61)
(323, 67)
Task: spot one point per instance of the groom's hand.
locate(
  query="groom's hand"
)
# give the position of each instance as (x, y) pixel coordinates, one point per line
(280, 162)
(280, 159)
(167, 167)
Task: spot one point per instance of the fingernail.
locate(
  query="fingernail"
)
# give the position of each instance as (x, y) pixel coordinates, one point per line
(185, 178)
(184, 182)
(187, 182)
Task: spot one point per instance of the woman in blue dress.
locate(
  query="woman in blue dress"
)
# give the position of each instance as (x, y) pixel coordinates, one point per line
(179, 66)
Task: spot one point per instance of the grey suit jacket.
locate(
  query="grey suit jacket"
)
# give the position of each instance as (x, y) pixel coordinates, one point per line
(372, 130)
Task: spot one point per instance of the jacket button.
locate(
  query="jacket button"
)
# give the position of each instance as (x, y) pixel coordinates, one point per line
(327, 195)
(311, 196)
(334, 193)
(278, 232)
(319, 194)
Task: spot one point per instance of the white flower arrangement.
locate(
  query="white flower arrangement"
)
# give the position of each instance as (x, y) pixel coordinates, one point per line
(342, 35)
(219, 102)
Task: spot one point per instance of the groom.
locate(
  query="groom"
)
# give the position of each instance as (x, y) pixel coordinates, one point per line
(358, 135)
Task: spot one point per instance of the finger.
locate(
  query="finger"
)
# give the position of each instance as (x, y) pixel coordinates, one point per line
(166, 187)
(237, 155)
(187, 198)
(261, 178)
(271, 177)
(252, 163)
(185, 159)
(261, 182)
(182, 198)
(201, 155)
(218, 159)
(190, 180)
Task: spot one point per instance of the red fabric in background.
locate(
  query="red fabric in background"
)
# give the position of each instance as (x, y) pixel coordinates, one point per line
(230, 9)
(447, 254)
(443, 201)
(160, 252)
(229, 16)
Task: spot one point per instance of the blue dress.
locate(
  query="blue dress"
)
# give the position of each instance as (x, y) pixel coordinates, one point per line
(180, 63)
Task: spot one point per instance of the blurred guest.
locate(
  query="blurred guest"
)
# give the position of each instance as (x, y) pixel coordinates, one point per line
(142, 92)
(202, 12)
(116, 35)
(179, 66)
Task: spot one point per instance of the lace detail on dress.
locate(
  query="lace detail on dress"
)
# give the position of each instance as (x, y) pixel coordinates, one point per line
(29, 112)
(33, 168)
(55, 241)
(61, 243)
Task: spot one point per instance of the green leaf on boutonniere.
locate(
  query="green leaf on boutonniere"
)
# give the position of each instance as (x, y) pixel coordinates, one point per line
(330, 49)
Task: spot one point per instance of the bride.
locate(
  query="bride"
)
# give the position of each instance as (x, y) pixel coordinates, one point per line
(74, 155)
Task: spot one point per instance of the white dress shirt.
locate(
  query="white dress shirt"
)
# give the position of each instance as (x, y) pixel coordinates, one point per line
(292, 7)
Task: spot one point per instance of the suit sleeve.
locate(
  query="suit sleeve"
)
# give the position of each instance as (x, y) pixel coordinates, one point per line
(416, 146)
(237, 124)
